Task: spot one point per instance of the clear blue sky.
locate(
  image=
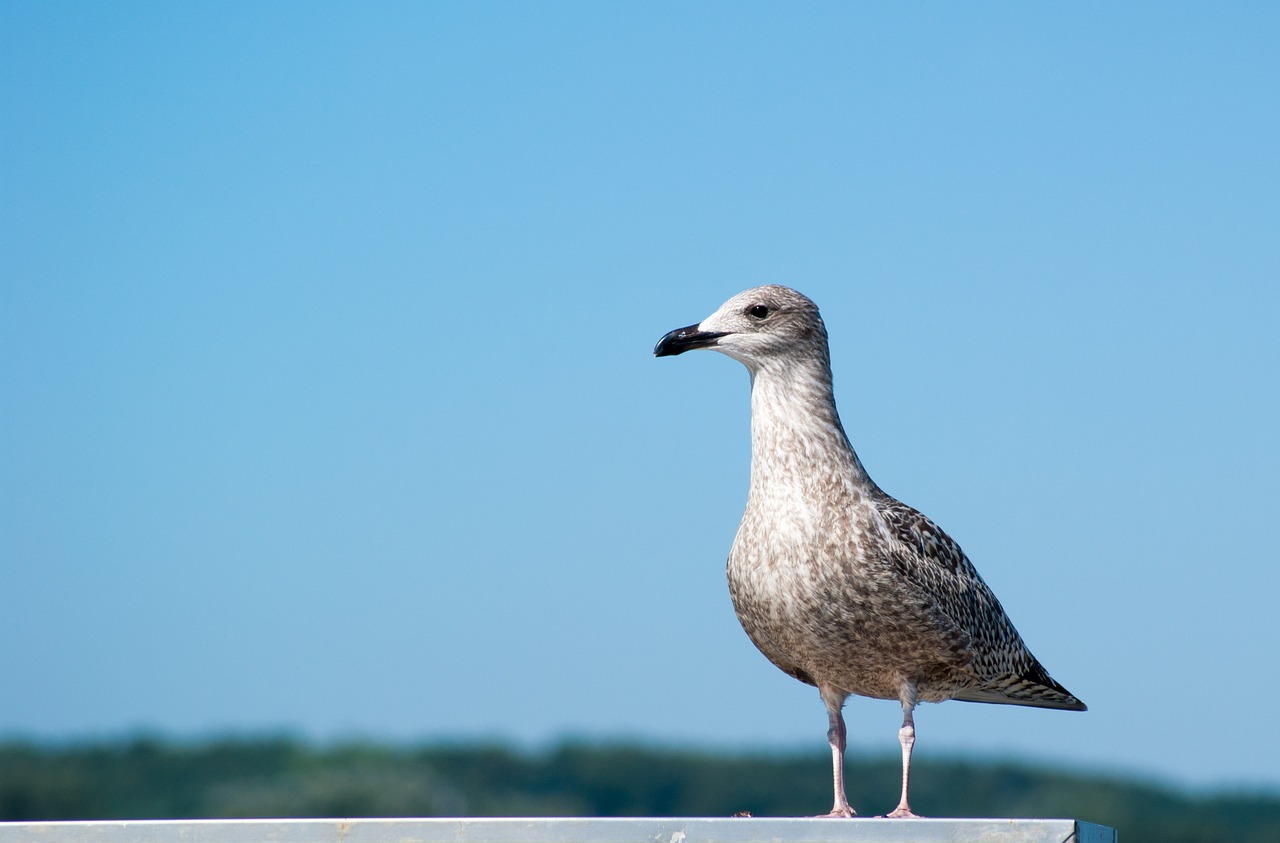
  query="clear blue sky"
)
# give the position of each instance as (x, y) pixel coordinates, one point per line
(327, 403)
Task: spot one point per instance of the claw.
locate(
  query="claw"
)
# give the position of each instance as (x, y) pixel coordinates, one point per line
(837, 813)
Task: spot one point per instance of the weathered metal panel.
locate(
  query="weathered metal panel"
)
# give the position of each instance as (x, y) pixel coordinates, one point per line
(561, 830)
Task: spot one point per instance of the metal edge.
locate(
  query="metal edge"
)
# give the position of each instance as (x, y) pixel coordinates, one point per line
(560, 830)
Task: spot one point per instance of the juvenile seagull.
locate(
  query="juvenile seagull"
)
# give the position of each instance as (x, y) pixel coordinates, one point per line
(838, 584)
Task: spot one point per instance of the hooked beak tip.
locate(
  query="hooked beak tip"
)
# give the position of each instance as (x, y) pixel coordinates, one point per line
(685, 339)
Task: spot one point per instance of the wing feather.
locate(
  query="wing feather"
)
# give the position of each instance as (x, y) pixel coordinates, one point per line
(1005, 670)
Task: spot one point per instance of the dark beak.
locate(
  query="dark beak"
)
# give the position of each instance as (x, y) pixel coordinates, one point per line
(685, 339)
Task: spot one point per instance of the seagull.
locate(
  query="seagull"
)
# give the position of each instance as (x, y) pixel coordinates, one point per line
(838, 584)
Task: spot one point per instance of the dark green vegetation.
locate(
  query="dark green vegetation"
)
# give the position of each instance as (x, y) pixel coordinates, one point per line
(280, 778)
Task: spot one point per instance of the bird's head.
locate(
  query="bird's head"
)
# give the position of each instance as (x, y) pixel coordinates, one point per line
(763, 325)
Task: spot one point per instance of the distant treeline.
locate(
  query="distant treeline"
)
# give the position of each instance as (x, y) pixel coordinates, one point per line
(146, 778)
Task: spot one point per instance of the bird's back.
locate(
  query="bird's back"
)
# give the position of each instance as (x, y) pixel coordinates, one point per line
(933, 566)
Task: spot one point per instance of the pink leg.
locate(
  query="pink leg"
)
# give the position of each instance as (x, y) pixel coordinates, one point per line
(836, 737)
(906, 737)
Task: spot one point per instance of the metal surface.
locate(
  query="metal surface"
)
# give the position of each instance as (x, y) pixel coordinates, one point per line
(561, 830)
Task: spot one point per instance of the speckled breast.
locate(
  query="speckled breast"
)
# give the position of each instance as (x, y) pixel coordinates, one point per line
(835, 623)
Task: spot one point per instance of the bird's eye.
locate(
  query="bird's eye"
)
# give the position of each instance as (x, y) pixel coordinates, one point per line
(758, 311)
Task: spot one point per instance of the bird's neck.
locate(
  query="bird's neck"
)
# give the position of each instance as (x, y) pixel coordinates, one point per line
(797, 440)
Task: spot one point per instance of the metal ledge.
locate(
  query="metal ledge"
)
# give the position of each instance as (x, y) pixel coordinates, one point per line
(561, 830)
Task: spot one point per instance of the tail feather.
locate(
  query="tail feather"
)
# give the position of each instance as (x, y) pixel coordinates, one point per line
(1010, 689)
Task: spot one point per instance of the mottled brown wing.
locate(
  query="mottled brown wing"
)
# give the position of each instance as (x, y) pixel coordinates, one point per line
(933, 562)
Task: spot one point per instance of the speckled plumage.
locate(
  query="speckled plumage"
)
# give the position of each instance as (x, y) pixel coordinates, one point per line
(837, 583)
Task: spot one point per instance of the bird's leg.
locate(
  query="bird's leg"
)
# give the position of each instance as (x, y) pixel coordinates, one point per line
(836, 737)
(906, 737)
